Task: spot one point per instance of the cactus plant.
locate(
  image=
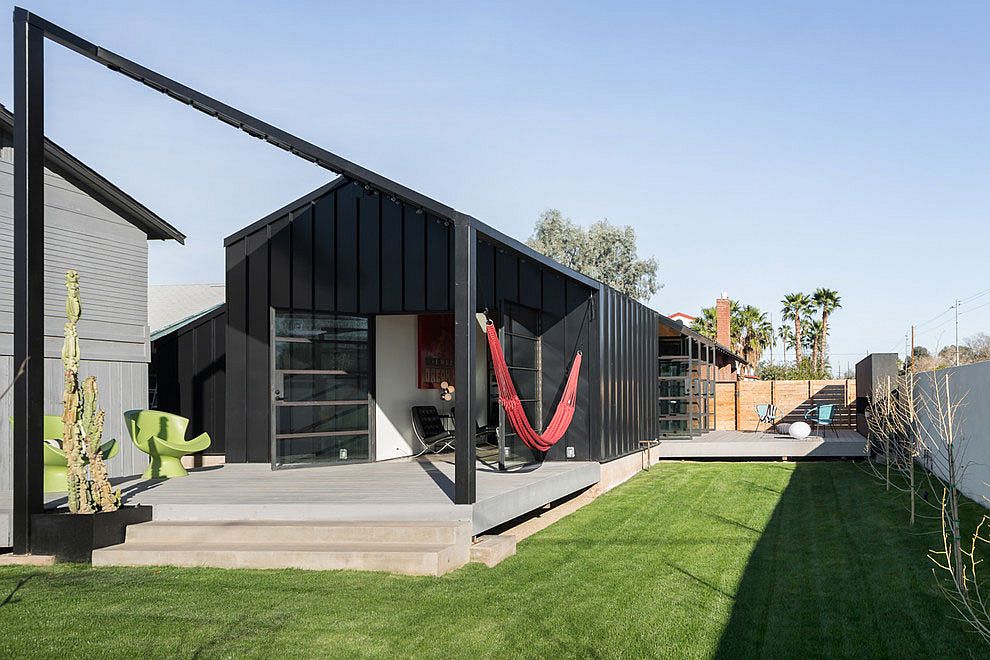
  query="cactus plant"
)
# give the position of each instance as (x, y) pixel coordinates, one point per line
(82, 420)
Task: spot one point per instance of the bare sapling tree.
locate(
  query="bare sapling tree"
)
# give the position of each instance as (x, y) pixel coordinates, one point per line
(891, 422)
(957, 556)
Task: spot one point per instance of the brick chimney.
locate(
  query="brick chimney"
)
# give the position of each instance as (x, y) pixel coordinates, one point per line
(723, 322)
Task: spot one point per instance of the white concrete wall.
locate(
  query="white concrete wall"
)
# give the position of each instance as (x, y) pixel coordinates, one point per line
(971, 385)
(396, 390)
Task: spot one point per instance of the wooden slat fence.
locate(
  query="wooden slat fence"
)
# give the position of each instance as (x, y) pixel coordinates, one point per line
(735, 402)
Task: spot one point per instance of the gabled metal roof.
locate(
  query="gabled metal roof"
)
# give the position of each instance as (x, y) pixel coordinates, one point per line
(685, 330)
(98, 187)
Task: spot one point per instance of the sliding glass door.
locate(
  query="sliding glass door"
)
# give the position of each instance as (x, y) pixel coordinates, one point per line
(321, 380)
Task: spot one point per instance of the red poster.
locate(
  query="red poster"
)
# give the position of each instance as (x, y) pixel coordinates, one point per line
(435, 341)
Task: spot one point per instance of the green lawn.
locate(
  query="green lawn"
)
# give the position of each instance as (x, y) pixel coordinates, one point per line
(690, 560)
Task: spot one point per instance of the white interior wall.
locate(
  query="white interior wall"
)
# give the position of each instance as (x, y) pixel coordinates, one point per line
(396, 390)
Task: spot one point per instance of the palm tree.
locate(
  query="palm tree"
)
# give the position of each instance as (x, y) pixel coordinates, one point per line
(706, 323)
(786, 335)
(827, 300)
(755, 332)
(796, 307)
(814, 339)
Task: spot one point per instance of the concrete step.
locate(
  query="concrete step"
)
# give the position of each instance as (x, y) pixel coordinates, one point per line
(289, 532)
(402, 558)
(492, 550)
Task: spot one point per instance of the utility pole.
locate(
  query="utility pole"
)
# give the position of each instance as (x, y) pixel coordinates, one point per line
(956, 306)
(912, 348)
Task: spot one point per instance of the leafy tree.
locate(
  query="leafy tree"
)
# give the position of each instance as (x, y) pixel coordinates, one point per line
(797, 307)
(604, 251)
(979, 344)
(804, 370)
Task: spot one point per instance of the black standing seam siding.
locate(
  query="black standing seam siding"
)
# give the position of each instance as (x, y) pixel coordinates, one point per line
(347, 249)
(188, 371)
(627, 364)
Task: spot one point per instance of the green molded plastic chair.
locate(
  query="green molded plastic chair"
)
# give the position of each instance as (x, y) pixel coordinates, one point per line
(56, 462)
(161, 436)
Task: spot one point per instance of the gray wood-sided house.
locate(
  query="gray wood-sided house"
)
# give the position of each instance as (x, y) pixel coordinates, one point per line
(99, 230)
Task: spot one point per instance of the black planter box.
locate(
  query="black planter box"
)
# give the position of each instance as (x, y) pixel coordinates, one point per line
(73, 537)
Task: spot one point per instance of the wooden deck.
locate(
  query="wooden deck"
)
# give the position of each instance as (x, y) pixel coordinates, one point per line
(402, 489)
(760, 446)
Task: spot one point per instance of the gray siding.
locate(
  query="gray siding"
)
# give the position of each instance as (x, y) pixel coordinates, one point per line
(111, 256)
(123, 386)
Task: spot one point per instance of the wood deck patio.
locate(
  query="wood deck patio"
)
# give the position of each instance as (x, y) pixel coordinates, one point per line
(750, 445)
(403, 489)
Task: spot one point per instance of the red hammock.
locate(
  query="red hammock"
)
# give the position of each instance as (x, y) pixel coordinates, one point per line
(509, 399)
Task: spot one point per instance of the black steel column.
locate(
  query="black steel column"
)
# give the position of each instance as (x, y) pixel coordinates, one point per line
(465, 334)
(29, 276)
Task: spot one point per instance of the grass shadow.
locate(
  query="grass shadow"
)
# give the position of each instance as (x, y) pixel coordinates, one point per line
(839, 572)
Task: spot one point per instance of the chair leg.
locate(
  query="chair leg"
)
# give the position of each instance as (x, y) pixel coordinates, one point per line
(164, 467)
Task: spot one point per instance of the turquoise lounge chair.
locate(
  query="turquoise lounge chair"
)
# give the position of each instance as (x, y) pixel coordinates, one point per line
(822, 416)
(161, 436)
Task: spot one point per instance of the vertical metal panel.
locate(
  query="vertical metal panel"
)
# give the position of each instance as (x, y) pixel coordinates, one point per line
(486, 276)
(506, 276)
(369, 253)
(347, 248)
(186, 370)
(414, 259)
(236, 350)
(302, 258)
(280, 262)
(555, 353)
(437, 265)
(324, 263)
(189, 368)
(219, 386)
(255, 426)
(627, 363)
(391, 257)
(530, 284)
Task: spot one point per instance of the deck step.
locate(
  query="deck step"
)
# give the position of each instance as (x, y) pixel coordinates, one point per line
(290, 533)
(401, 558)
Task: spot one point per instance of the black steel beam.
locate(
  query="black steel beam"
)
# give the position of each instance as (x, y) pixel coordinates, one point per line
(29, 277)
(237, 118)
(465, 359)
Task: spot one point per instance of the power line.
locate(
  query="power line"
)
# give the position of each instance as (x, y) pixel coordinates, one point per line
(975, 308)
(934, 318)
(975, 296)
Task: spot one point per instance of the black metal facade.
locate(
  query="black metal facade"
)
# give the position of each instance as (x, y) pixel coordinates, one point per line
(346, 248)
(627, 338)
(187, 375)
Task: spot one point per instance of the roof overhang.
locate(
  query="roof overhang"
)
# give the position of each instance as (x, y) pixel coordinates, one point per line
(98, 187)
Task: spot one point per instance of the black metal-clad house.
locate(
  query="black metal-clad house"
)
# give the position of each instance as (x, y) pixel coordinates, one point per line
(353, 303)
(323, 298)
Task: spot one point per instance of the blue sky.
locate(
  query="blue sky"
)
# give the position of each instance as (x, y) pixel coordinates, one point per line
(757, 148)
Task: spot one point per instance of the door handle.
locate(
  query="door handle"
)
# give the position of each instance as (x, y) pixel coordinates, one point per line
(278, 395)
